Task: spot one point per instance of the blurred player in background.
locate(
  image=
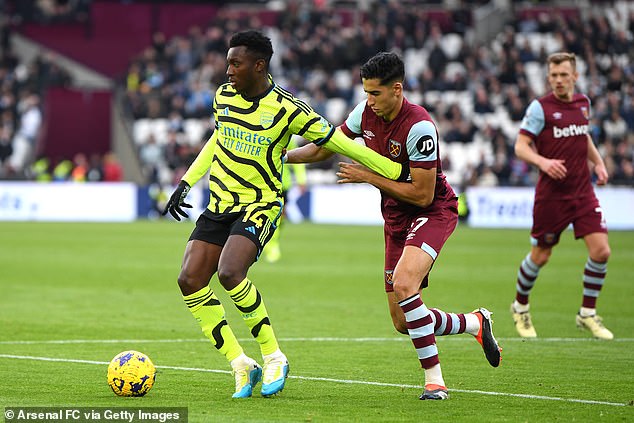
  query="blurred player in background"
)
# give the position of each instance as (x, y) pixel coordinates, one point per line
(293, 175)
(554, 137)
(419, 214)
(255, 119)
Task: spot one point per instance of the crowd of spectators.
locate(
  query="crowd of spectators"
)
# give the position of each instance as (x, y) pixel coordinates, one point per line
(96, 168)
(23, 86)
(477, 93)
(49, 11)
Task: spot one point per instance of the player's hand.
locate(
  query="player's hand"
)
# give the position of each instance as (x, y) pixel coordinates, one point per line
(177, 200)
(352, 173)
(554, 168)
(602, 174)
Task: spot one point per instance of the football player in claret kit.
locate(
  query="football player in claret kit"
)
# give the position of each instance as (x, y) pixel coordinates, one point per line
(420, 214)
(255, 119)
(554, 137)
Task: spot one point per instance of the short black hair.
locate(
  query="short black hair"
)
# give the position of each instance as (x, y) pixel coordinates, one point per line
(258, 44)
(386, 67)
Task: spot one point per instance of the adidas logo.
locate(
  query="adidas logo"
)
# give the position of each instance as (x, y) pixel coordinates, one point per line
(251, 229)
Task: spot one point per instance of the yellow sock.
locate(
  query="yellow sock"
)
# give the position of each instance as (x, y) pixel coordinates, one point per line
(210, 314)
(251, 306)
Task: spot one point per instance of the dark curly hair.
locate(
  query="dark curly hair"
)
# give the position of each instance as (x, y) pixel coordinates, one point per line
(384, 66)
(258, 44)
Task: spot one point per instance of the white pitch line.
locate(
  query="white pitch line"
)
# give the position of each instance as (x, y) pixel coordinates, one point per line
(314, 339)
(325, 379)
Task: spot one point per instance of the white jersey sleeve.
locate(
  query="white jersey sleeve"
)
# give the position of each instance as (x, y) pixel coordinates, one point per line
(353, 122)
(533, 120)
(422, 142)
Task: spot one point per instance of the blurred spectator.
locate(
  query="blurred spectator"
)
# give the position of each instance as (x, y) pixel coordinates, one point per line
(62, 171)
(112, 170)
(133, 78)
(457, 128)
(487, 177)
(526, 53)
(515, 106)
(481, 104)
(614, 126)
(39, 170)
(95, 169)
(151, 155)
(199, 101)
(174, 151)
(80, 168)
(31, 117)
(6, 150)
(502, 151)
(627, 108)
(176, 123)
(25, 138)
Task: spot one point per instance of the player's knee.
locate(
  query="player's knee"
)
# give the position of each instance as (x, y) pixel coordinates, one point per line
(401, 290)
(230, 277)
(601, 255)
(540, 258)
(187, 284)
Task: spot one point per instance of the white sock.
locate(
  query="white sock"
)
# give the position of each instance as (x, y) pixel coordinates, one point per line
(586, 312)
(239, 361)
(275, 354)
(520, 308)
(472, 324)
(434, 376)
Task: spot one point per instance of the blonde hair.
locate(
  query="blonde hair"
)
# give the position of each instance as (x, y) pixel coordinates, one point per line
(560, 57)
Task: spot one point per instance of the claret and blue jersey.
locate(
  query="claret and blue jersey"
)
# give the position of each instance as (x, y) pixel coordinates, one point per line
(560, 131)
(411, 138)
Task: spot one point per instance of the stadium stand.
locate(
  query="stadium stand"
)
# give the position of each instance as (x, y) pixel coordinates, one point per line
(23, 86)
(476, 84)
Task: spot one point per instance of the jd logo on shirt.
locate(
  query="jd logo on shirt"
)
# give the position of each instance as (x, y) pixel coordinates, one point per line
(425, 145)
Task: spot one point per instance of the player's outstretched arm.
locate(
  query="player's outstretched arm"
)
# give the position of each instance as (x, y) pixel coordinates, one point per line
(309, 153)
(419, 191)
(340, 143)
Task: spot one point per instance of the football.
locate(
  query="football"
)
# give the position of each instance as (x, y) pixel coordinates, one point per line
(131, 374)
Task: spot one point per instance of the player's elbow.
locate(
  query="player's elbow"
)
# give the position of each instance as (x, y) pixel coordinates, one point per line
(423, 202)
(519, 151)
(523, 150)
(323, 154)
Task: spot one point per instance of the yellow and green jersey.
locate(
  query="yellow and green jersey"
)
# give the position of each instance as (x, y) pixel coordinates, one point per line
(244, 155)
(293, 173)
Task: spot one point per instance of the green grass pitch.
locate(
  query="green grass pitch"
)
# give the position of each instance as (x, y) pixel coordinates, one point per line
(73, 295)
